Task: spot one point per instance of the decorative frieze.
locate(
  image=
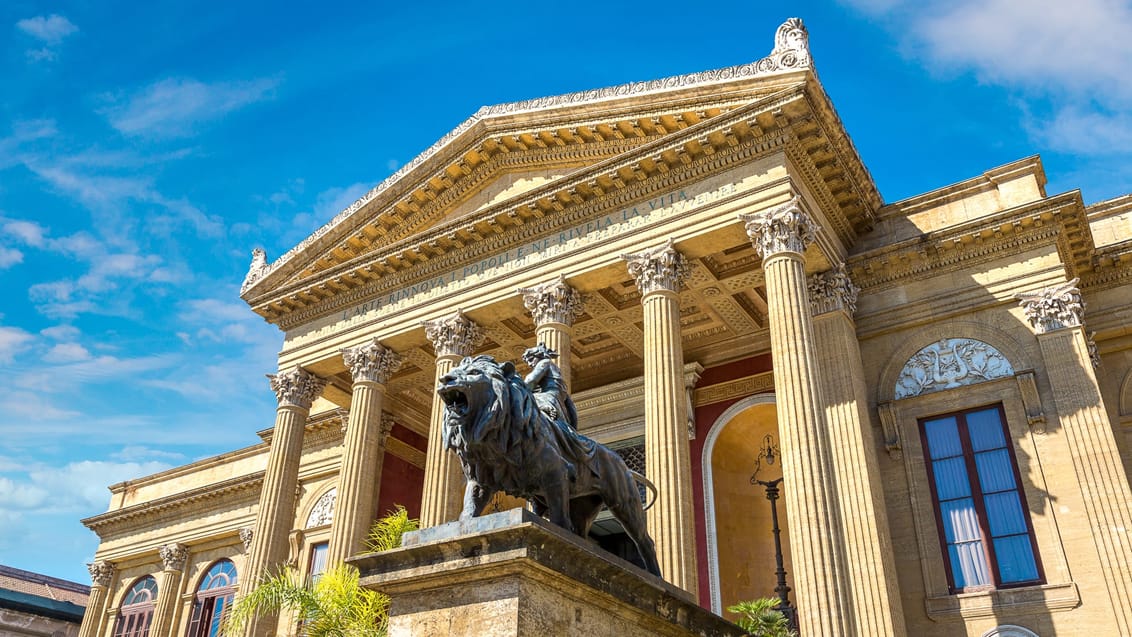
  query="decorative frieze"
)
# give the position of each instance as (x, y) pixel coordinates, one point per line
(785, 228)
(246, 536)
(323, 511)
(833, 290)
(554, 302)
(454, 335)
(658, 269)
(173, 556)
(1054, 307)
(372, 362)
(948, 363)
(296, 387)
(101, 573)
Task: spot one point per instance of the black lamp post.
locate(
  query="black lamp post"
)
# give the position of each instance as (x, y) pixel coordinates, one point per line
(769, 452)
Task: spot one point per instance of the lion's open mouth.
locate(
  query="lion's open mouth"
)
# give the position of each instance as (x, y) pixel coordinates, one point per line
(454, 398)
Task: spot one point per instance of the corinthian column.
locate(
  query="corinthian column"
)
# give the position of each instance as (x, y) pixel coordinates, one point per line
(554, 306)
(1057, 313)
(173, 556)
(660, 273)
(780, 236)
(359, 480)
(453, 338)
(296, 389)
(870, 564)
(101, 576)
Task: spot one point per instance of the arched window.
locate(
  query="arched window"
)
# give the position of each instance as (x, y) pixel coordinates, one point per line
(214, 596)
(137, 609)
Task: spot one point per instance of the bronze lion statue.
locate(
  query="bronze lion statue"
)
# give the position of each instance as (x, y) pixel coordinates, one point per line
(505, 442)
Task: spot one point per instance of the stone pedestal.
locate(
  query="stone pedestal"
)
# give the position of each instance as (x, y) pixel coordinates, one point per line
(515, 574)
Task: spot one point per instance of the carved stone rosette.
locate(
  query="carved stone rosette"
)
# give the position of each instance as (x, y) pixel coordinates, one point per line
(173, 556)
(246, 536)
(833, 290)
(372, 362)
(296, 387)
(657, 270)
(554, 302)
(454, 335)
(1054, 307)
(101, 573)
(786, 228)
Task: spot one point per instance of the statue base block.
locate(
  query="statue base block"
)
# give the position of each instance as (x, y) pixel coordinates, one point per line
(515, 574)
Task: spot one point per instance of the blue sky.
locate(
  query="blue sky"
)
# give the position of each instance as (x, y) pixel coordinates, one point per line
(146, 148)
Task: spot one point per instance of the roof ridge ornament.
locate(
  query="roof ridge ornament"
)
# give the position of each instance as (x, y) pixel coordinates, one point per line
(791, 52)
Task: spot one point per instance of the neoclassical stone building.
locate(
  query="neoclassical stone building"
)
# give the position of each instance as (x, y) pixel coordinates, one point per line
(943, 383)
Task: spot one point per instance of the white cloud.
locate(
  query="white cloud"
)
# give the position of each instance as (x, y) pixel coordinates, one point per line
(66, 353)
(10, 257)
(21, 496)
(29, 232)
(13, 340)
(134, 453)
(176, 107)
(61, 332)
(50, 30)
(78, 487)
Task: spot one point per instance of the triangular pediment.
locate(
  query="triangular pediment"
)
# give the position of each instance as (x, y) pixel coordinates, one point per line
(515, 163)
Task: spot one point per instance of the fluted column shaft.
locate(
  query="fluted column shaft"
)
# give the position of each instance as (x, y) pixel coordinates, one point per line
(1057, 315)
(101, 575)
(453, 338)
(871, 565)
(363, 453)
(173, 558)
(780, 236)
(554, 307)
(296, 389)
(671, 520)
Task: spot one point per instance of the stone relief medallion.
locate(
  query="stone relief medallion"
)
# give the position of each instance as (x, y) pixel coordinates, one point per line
(323, 511)
(948, 363)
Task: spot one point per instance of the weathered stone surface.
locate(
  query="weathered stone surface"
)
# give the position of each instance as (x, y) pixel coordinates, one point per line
(513, 573)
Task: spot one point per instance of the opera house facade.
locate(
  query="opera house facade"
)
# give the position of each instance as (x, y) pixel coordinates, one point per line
(943, 384)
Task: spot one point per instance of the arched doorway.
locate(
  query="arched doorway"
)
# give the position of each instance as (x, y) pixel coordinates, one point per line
(740, 544)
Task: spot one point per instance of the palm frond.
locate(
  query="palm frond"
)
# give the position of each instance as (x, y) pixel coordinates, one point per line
(760, 618)
(385, 534)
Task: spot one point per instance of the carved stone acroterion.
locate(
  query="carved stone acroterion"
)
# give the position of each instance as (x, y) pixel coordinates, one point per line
(258, 269)
(296, 387)
(454, 335)
(173, 556)
(101, 573)
(1054, 307)
(660, 269)
(554, 302)
(372, 362)
(833, 290)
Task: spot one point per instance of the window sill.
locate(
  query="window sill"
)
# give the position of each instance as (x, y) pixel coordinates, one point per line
(1024, 600)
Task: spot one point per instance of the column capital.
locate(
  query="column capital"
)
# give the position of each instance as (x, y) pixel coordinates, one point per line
(833, 290)
(371, 362)
(785, 228)
(1054, 307)
(246, 536)
(173, 556)
(101, 573)
(660, 269)
(296, 387)
(554, 302)
(454, 335)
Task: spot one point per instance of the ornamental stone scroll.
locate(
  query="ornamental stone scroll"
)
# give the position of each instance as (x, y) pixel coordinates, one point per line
(782, 229)
(949, 363)
(296, 387)
(371, 362)
(661, 269)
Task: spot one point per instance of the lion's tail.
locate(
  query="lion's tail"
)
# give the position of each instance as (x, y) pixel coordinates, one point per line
(647, 484)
